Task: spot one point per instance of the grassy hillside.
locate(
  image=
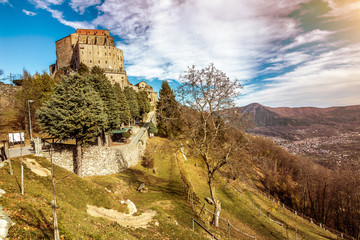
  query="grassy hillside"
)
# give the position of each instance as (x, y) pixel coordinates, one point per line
(166, 195)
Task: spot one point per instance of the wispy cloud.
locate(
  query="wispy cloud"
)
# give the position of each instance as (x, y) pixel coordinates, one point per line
(316, 35)
(161, 38)
(43, 4)
(81, 5)
(340, 10)
(328, 80)
(5, 2)
(29, 13)
(46, 5)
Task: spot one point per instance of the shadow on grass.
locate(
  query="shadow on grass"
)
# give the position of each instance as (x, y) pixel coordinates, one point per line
(37, 220)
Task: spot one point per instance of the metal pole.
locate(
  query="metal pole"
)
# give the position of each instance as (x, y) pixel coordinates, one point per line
(22, 172)
(29, 101)
(10, 166)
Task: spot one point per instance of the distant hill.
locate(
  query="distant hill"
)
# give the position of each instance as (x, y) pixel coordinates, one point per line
(331, 135)
(302, 116)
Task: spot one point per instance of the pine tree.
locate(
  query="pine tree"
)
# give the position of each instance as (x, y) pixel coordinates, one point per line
(125, 115)
(168, 113)
(102, 85)
(83, 69)
(143, 102)
(75, 110)
(131, 99)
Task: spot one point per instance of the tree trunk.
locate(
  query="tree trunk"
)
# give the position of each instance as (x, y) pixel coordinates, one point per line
(217, 204)
(99, 140)
(78, 159)
(53, 202)
(217, 211)
(107, 139)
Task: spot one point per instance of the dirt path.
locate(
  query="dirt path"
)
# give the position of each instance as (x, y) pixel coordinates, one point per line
(36, 168)
(123, 219)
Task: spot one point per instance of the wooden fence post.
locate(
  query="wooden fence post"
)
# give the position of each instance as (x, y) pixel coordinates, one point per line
(228, 227)
(22, 172)
(260, 210)
(205, 213)
(287, 234)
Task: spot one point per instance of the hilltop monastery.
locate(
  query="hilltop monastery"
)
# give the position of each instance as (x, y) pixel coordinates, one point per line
(95, 47)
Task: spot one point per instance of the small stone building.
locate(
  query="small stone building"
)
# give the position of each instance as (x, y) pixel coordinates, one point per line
(142, 86)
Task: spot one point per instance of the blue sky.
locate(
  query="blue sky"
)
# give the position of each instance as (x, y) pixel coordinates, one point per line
(284, 52)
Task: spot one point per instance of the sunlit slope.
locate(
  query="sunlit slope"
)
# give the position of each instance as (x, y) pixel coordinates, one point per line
(167, 195)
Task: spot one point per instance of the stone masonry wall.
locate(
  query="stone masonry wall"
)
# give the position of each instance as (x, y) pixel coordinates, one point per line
(101, 160)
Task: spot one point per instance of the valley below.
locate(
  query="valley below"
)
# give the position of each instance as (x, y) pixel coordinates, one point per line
(330, 136)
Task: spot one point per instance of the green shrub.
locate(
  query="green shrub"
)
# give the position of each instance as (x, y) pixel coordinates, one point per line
(126, 134)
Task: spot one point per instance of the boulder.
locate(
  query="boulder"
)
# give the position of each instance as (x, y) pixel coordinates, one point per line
(142, 188)
(2, 192)
(5, 224)
(131, 206)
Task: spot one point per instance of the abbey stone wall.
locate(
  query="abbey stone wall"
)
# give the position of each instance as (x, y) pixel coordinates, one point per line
(101, 160)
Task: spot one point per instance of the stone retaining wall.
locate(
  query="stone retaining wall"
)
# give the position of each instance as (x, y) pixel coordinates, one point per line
(101, 160)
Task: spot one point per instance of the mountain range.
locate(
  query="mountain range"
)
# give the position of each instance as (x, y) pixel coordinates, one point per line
(331, 135)
(301, 116)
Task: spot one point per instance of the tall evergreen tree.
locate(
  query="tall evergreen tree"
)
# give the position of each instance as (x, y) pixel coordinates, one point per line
(75, 110)
(131, 99)
(83, 69)
(125, 115)
(168, 113)
(102, 85)
(143, 102)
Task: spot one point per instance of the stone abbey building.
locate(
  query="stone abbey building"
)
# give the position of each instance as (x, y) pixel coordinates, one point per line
(95, 47)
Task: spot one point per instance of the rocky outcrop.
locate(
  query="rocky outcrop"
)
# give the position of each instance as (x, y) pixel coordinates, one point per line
(7, 95)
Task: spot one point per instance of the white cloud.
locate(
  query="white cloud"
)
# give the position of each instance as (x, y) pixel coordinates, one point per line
(340, 8)
(81, 5)
(5, 2)
(45, 4)
(74, 24)
(284, 60)
(162, 38)
(331, 79)
(29, 13)
(316, 35)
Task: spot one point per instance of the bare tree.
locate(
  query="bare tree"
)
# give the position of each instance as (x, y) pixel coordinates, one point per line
(208, 97)
(54, 202)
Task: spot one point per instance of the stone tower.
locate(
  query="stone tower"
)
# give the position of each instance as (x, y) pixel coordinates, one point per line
(92, 47)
